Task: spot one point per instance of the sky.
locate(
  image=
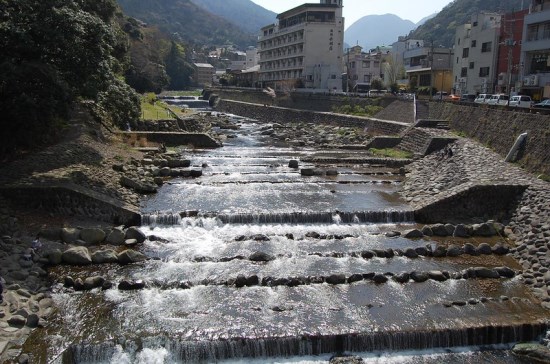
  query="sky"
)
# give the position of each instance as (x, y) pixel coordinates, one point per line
(413, 10)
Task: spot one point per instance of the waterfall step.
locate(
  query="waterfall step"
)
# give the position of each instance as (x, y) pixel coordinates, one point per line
(185, 350)
(286, 218)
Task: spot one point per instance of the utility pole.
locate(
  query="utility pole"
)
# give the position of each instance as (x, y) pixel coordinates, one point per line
(510, 43)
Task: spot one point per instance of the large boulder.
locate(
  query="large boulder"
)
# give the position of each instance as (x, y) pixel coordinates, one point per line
(336, 279)
(92, 236)
(532, 351)
(104, 256)
(93, 282)
(261, 257)
(413, 234)
(116, 236)
(131, 256)
(137, 185)
(70, 235)
(134, 233)
(484, 230)
(129, 285)
(78, 255)
(55, 257)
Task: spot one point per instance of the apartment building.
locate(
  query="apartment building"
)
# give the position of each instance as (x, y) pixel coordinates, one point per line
(204, 74)
(535, 51)
(428, 66)
(363, 67)
(304, 49)
(509, 52)
(476, 53)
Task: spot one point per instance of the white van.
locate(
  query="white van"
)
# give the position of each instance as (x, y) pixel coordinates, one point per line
(482, 98)
(498, 99)
(521, 101)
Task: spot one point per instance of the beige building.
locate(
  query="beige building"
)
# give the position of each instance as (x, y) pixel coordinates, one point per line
(304, 49)
(364, 67)
(204, 74)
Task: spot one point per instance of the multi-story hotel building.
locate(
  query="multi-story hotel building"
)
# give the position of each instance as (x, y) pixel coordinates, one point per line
(304, 49)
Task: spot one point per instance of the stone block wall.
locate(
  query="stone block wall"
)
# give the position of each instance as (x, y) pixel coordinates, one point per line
(498, 129)
(73, 200)
(282, 115)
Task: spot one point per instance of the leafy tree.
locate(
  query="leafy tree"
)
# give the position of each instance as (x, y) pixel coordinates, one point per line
(376, 84)
(54, 53)
(179, 71)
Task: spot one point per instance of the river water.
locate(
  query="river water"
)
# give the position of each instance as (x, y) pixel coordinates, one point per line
(249, 201)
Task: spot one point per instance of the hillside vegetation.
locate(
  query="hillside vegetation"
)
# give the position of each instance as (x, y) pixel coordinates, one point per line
(56, 53)
(185, 20)
(442, 28)
(245, 14)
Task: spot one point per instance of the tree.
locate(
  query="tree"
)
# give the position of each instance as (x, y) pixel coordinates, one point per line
(376, 84)
(54, 53)
(177, 68)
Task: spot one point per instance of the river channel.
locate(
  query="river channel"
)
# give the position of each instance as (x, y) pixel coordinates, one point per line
(247, 262)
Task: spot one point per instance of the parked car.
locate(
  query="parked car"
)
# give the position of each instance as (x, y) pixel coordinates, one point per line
(453, 98)
(467, 98)
(544, 104)
(440, 95)
(482, 98)
(498, 99)
(521, 101)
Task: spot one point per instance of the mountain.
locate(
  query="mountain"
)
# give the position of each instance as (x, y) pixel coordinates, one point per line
(247, 15)
(441, 29)
(374, 30)
(425, 19)
(189, 21)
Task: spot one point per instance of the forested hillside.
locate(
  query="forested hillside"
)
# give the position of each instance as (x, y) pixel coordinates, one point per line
(441, 29)
(56, 53)
(245, 14)
(190, 22)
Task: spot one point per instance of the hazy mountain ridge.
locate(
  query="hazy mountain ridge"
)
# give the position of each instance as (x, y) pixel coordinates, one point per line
(375, 30)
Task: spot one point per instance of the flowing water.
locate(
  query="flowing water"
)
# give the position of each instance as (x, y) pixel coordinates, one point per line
(203, 232)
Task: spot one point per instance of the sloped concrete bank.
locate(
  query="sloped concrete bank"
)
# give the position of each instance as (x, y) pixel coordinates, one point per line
(281, 115)
(440, 185)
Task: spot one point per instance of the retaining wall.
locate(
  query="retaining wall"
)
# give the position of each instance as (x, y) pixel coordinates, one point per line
(498, 129)
(281, 115)
(73, 200)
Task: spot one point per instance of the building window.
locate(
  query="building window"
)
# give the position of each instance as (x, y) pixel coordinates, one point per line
(533, 32)
(425, 80)
(458, 41)
(464, 72)
(484, 71)
(465, 52)
(472, 65)
(366, 64)
(474, 43)
(355, 77)
(539, 63)
(486, 47)
(546, 31)
(456, 60)
(352, 64)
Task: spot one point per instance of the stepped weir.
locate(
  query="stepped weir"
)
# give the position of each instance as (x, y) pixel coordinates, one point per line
(255, 261)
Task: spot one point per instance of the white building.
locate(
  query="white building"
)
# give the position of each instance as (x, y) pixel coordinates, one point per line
(535, 50)
(305, 48)
(476, 54)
